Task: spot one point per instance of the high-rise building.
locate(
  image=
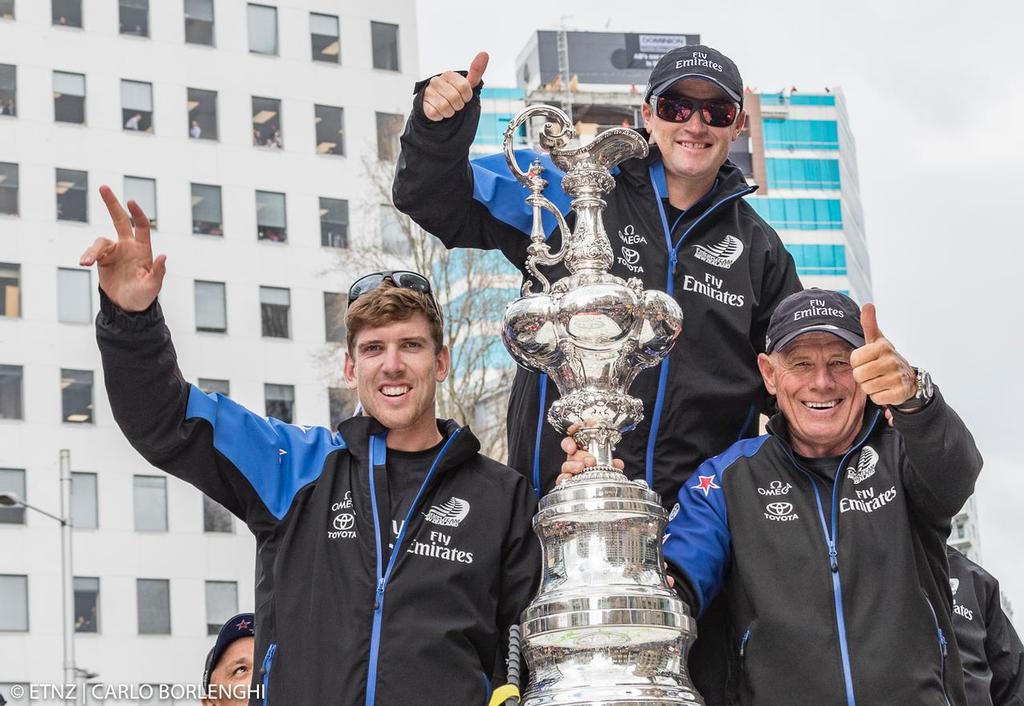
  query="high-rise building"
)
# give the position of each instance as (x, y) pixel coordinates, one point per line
(244, 130)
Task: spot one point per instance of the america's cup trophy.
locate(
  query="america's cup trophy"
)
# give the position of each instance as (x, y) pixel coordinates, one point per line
(605, 628)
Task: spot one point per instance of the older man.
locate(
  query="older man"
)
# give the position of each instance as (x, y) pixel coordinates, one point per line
(827, 535)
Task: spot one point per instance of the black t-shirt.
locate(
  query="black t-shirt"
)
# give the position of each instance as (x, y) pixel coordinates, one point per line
(403, 476)
(824, 472)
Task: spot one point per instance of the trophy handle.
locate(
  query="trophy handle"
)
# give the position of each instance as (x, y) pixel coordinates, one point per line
(555, 135)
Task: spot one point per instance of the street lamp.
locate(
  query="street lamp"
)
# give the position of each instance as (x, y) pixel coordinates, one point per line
(71, 672)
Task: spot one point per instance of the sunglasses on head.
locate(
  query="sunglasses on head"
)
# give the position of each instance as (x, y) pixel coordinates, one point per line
(404, 279)
(679, 109)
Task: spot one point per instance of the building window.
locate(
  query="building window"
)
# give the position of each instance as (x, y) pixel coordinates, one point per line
(74, 296)
(72, 195)
(6, 9)
(211, 385)
(280, 401)
(66, 13)
(134, 17)
(11, 392)
(266, 123)
(342, 404)
(87, 604)
(384, 38)
(12, 480)
(13, 603)
(84, 505)
(68, 97)
(221, 604)
(275, 303)
(333, 223)
(216, 518)
(330, 129)
(335, 306)
(10, 289)
(143, 192)
(271, 218)
(206, 210)
(9, 188)
(323, 33)
(137, 105)
(389, 128)
(199, 22)
(8, 89)
(154, 606)
(76, 396)
(150, 503)
(262, 29)
(211, 307)
(393, 236)
(202, 114)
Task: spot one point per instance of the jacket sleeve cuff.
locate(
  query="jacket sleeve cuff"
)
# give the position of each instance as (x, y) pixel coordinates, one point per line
(921, 418)
(118, 318)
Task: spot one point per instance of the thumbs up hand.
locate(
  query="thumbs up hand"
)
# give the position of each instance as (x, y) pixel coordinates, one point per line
(882, 373)
(447, 94)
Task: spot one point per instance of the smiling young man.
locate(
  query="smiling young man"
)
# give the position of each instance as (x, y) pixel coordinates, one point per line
(827, 535)
(677, 220)
(392, 557)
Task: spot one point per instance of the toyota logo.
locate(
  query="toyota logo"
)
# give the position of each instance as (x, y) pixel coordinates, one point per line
(344, 521)
(779, 509)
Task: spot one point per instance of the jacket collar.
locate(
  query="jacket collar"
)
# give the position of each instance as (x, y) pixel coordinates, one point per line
(730, 177)
(779, 428)
(356, 431)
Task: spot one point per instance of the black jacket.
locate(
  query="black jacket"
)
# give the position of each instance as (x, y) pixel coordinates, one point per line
(855, 609)
(990, 650)
(335, 622)
(725, 266)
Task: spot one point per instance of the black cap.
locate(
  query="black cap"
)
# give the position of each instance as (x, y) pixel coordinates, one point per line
(242, 625)
(695, 61)
(814, 310)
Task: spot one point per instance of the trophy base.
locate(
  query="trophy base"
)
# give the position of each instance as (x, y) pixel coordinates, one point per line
(609, 650)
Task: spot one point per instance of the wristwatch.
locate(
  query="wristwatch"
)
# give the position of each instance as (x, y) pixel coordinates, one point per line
(923, 395)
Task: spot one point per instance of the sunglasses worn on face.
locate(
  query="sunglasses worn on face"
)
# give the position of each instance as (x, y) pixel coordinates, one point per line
(403, 279)
(679, 109)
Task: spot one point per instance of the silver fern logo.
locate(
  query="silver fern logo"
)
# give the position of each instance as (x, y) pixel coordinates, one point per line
(448, 514)
(865, 466)
(954, 584)
(723, 255)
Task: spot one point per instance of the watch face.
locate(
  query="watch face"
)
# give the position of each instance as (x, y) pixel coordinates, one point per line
(928, 390)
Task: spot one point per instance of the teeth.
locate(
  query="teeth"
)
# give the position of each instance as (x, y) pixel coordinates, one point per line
(821, 405)
(394, 391)
(693, 145)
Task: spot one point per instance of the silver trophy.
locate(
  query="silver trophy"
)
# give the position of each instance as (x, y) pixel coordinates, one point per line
(605, 628)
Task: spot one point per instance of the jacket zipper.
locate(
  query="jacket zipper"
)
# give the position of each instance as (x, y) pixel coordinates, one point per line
(268, 662)
(542, 384)
(378, 452)
(943, 648)
(673, 261)
(833, 554)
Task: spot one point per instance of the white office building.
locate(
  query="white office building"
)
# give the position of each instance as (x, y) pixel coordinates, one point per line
(245, 130)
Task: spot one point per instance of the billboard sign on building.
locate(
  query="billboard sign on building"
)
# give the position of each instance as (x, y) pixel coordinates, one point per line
(610, 58)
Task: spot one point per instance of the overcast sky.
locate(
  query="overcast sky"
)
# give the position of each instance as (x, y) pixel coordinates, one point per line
(935, 94)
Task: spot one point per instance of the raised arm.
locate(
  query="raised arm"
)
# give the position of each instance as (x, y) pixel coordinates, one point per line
(943, 461)
(251, 465)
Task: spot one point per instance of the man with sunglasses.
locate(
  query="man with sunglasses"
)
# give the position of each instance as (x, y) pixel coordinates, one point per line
(677, 220)
(392, 557)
